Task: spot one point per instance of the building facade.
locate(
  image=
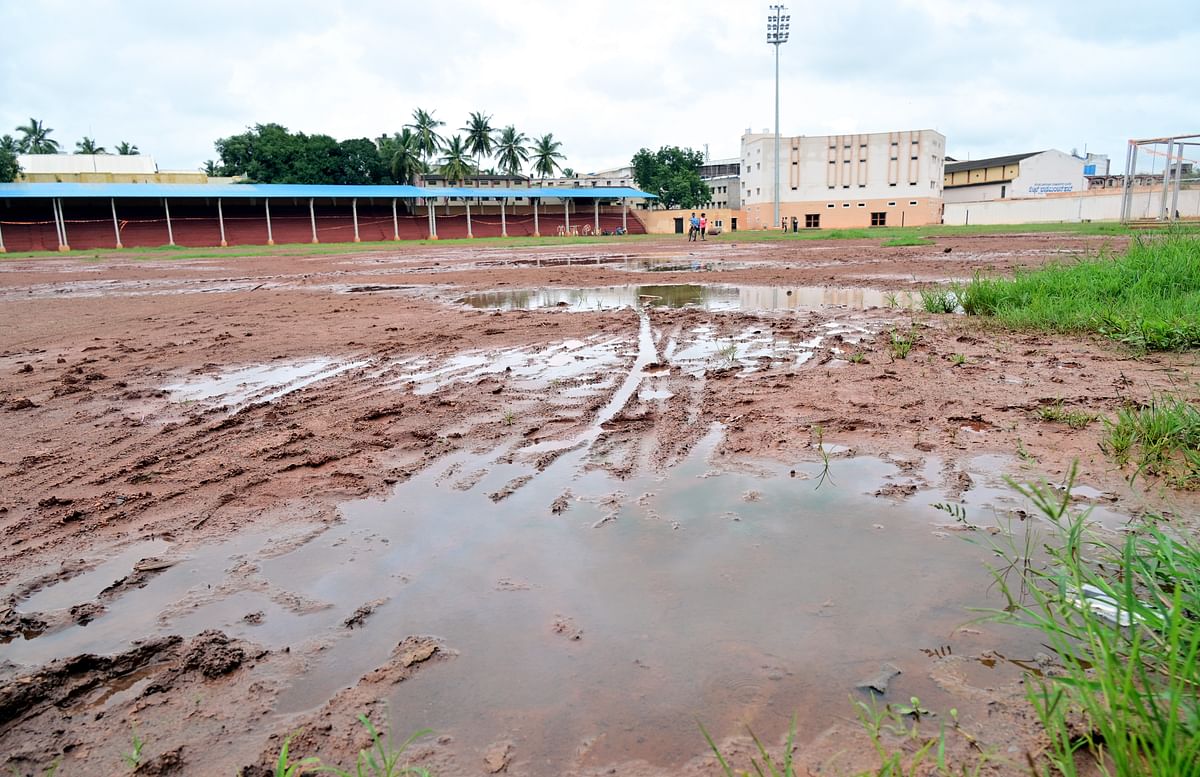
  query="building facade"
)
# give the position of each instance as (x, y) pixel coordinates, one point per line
(1016, 176)
(723, 177)
(840, 181)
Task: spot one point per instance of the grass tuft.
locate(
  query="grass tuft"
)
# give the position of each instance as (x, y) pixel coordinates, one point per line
(1124, 619)
(1056, 413)
(1161, 437)
(939, 301)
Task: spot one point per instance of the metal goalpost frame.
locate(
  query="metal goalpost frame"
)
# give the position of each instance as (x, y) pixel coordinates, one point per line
(1172, 178)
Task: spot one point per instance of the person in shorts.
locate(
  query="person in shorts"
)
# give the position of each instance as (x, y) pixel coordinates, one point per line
(693, 227)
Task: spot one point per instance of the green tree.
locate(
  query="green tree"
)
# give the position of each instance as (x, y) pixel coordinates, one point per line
(479, 136)
(673, 174)
(88, 146)
(36, 138)
(456, 164)
(211, 168)
(360, 162)
(511, 153)
(124, 148)
(9, 169)
(402, 156)
(424, 126)
(545, 155)
(568, 172)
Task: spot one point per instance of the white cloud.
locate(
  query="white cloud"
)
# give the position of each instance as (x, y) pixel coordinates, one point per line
(605, 78)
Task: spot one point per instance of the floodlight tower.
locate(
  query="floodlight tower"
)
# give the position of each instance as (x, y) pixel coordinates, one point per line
(777, 33)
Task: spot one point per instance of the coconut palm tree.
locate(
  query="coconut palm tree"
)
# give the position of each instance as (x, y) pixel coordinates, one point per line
(456, 164)
(545, 155)
(37, 138)
(424, 126)
(211, 169)
(479, 136)
(9, 145)
(402, 155)
(88, 146)
(124, 148)
(511, 153)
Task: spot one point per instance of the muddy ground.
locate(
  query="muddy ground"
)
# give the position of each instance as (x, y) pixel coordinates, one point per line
(113, 434)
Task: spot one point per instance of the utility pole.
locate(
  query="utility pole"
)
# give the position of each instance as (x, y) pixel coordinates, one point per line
(777, 33)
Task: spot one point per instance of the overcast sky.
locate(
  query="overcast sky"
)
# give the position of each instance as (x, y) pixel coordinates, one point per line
(607, 78)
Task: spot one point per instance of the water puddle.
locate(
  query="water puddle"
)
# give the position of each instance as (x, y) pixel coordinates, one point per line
(739, 596)
(714, 297)
(257, 384)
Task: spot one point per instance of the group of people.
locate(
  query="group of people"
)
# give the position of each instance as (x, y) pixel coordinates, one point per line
(697, 227)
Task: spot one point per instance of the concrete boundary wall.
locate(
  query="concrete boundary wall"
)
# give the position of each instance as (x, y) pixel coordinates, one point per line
(1103, 206)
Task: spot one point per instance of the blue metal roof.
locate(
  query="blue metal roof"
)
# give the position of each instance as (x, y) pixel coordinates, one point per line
(300, 191)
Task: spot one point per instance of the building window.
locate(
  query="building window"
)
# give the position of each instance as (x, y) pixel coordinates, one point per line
(812, 220)
(862, 204)
(845, 205)
(1002, 190)
(891, 204)
(845, 186)
(891, 184)
(830, 205)
(879, 218)
(862, 186)
(830, 187)
(912, 202)
(758, 191)
(793, 188)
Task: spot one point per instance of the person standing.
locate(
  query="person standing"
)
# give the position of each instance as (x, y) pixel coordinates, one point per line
(795, 225)
(703, 227)
(693, 227)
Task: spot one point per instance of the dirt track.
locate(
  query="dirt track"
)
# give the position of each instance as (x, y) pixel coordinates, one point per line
(104, 446)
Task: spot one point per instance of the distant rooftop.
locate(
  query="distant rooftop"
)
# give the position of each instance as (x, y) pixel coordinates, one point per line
(995, 161)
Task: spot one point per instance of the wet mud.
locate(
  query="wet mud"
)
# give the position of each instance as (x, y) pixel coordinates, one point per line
(523, 499)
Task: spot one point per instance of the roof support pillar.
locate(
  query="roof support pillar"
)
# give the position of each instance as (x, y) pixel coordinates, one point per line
(503, 220)
(433, 235)
(395, 222)
(63, 245)
(170, 232)
(1126, 184)
(624, 215)
(536, 231)
(116, 225)
(270, 234)
(566, 216)
(312, 218)
(354, 212)
(596, 210)
(221, 222)
(2, 248)
(469, 232)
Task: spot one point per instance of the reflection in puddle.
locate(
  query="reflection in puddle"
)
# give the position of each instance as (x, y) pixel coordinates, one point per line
(705, 296)
(692, 599)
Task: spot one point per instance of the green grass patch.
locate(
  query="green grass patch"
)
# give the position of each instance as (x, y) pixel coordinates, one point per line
(939, 300)
(1162, 438)
(926, 232)
(906, 240)
(159, 253)
(1147, 297)
(1123, 618)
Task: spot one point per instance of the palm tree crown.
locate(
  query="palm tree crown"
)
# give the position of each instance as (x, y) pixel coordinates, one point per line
(424, 126)
(479, 135)
(546, 155)
(124, 148)
(402, 154)
(88, 146)
(456, 164)
(37, 138)
(511, 153)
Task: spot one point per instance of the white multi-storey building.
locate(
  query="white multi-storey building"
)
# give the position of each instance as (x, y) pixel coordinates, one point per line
(860, 180)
